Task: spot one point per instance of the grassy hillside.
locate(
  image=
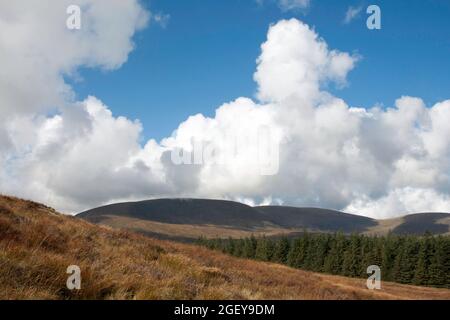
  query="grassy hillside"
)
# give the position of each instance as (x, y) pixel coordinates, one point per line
(37, 245)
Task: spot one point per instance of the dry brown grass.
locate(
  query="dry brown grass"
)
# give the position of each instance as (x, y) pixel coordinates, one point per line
(384, 226)
(37, 245)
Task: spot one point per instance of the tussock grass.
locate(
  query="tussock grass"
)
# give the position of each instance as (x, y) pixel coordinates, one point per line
(37, 245)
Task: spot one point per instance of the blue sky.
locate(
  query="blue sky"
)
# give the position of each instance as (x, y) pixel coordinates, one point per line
(381, 163)
(206, 54)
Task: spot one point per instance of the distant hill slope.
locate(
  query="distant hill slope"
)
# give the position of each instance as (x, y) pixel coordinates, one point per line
(187, 219)
(37, 244)
(316, 219)
(185, 211)
(434, 222)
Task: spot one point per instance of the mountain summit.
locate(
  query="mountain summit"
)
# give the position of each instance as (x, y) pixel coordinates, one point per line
(192, 218)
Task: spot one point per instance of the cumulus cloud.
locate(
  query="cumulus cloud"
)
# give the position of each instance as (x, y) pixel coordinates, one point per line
(295, 62)
(77, 154)
(401, 201)
(37, 50)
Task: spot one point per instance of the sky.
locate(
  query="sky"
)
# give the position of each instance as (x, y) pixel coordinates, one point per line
(292, 102)
(208, 49)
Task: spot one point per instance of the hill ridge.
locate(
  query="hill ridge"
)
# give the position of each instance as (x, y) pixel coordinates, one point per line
(224, 218)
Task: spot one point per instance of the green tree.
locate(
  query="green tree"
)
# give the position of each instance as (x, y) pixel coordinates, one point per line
(264, 249)
(238, 248)
(423, 261)
(390, 249)
(406, 259)
(297, 252)
(281, 251)
(437, 271)
(249, 247)
(352, 258)
(334, 258)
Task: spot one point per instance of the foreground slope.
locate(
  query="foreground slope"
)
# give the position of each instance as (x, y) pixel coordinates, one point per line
(188, 219)
(37, 245)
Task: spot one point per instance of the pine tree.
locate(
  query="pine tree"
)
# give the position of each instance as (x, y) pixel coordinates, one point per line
(446, 260)
(423, 262)
(406, 259)
(264, 249)
(351, 255)
(309, 253)
(281, 252)
(249, 248)
(297, 253)
(437, 273)
(405, 262)
(238, 248)
(321, 249)
(371, 252)
(390, 250)
(334, 257)
(411, 257)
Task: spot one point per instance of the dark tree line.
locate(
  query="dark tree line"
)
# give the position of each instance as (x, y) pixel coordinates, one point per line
(423, 260)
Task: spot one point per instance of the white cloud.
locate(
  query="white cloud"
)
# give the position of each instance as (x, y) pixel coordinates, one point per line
(293, 4)
(162, 19)
(401, 201)
(352, 13)
(37, 50)
(289, 5)
(295, 62)
(371, 161)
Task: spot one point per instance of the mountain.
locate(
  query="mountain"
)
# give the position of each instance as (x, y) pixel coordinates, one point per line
(434, 222)
(37, 244)
(185, 211)
(184, 219)
(316, 219)
(188, 219)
